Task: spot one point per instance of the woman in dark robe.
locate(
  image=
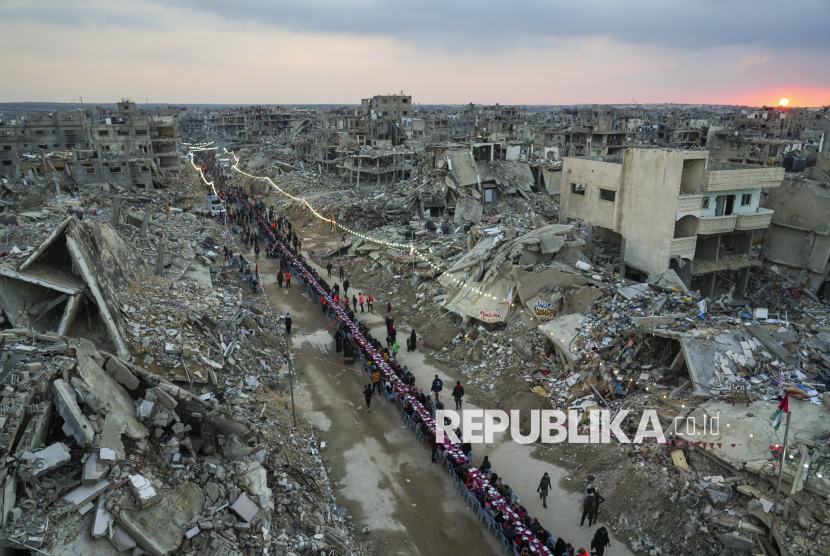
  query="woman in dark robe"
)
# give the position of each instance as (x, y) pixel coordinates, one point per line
(338, 341)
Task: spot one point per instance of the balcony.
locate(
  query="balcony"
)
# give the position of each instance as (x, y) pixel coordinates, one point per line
(716, 224)
(688, 203)
(754, 221)
(683, 246)
(730, 180)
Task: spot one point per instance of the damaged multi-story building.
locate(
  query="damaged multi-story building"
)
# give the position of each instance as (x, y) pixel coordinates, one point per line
(128, 148)
(671, 209)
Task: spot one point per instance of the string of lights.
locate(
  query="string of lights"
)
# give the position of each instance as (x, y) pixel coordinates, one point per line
(460, 283)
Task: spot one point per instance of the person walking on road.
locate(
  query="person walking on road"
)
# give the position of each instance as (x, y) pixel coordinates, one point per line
(600, 541)
(437, 386)
(341, 272)
(280, 278)
(457, 394)
(396, 347)
(370, 302)
(543, 489)
(328, 267)
(361, 299)
(288, 279)
(412, 341)
(376, 385)
(288, 323)
(367, 395)
(589, 508)
(388, 309)
(346, 287)
(354, 302)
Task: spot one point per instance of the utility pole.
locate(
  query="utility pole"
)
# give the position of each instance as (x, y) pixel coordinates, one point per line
(291, 385)
(781, 462)
(336, 236)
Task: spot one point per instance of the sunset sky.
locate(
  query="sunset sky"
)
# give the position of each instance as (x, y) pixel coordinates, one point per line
(325, 51)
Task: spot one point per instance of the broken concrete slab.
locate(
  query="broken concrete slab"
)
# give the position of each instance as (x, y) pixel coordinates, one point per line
(529, 284)
(47, 459)
(120, 418)
(145, 492)
(579, 301)
(165, 399)
(245, 508)
(771, 344)
(160, 528)
(75, 422)
(668, 280)
(121, 540)
(117, 370)
(84, 494)
(561, 332)
(101, 525)
(699, 362)
(736, 541)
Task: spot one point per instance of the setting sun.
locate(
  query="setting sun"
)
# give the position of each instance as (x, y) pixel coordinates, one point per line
(784, 102)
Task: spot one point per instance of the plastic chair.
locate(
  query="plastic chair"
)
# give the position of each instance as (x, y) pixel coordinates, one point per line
(505, 544)
(489, 521)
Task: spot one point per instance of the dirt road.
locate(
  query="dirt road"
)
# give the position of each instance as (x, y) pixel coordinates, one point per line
(385, 476)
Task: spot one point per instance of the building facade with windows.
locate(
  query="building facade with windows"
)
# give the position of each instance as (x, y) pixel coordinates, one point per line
(670, 209)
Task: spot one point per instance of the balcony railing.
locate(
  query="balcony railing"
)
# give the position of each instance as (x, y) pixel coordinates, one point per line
(716, 224)
(754, 221)
(688, 203)
(683, 246)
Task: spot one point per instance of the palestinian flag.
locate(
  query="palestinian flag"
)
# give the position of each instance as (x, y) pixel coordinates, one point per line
(778, 416)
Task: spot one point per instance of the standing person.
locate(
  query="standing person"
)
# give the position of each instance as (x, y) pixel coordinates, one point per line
(600, 541)
(354, 302)
(280, 278)
(367, 395)
(376, 381)
(600, 500)
(361, 301)
(370, 302)
(288, 322)
(256, 253)
(346, 287)
(328, 267)
(288, 279)
(341, 272)
(457, 394)
(413, 338)
(437, 386)
(388, 309)
(543, 489)
(396, 347)
(338, 341)
(589, 508)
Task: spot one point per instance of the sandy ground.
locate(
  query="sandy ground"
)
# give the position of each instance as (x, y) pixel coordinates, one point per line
(384, 474)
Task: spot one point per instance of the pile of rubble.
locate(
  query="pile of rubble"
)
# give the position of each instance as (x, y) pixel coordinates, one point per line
(143, 410)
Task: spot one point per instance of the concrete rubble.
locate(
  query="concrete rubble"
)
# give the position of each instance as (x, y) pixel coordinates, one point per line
(128, 349)
(127, 420)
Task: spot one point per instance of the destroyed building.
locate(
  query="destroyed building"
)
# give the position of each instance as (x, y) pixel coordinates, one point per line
(669, 211)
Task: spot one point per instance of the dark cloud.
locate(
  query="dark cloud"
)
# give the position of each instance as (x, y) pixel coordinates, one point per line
(79, 14)
(483, 25)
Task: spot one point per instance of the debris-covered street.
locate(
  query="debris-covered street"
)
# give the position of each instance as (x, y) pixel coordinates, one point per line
(295, 330)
